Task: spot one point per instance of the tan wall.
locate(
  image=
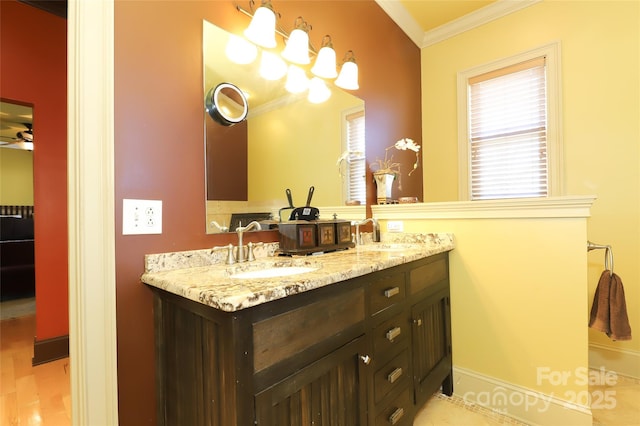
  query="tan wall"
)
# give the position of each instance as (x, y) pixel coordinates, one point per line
(518, 302)
(600, 45)
(16, 177)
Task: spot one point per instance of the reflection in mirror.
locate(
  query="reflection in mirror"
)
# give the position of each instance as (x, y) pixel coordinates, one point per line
(16, 126)
(16, 172)
(285, 142)
(226, 104)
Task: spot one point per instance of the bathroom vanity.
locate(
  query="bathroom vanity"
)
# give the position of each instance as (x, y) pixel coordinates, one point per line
(363, 337)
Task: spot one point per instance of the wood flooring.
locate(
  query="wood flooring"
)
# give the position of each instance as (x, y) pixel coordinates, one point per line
(29, 395)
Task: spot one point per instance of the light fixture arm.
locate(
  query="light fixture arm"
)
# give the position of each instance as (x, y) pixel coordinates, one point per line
(349, 57)
(281, 32)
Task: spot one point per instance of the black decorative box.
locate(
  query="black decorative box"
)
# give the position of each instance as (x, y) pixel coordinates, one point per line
(304, 237)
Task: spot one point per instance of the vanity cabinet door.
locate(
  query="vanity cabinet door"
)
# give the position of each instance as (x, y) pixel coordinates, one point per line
(329, 391)
(431, 344)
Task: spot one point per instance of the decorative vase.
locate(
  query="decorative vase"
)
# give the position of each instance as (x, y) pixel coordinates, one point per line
(384, 184)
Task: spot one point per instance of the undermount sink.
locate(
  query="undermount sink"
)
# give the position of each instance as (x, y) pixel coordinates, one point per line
(271, 270)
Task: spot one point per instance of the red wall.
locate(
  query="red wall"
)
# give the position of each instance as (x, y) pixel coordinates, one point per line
(33, 69)
(159, 146)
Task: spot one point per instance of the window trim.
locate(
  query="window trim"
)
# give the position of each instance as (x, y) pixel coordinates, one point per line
(345, 184)
(554, 107)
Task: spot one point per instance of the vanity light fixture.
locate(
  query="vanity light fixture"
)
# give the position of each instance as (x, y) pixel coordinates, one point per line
(262, 29)
(318, 91)
(348, 77)
(325, 65)
(272, 67)
(297, 80)
(240, 51)
(297, 47)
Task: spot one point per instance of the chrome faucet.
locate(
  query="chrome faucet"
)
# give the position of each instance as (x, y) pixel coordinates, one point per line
(376, 230)
(214, 224)
(240, 230)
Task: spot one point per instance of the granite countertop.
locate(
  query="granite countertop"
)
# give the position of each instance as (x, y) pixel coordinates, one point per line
(202, 275)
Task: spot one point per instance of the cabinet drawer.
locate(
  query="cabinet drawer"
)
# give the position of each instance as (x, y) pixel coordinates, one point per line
(282, 336)
(398, 412)
(393, 374)
(386, 292)
(428, 275)
(391, 335)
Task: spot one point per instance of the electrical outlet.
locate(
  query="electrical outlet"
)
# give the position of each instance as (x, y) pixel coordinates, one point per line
(395, 226)
(141, 217)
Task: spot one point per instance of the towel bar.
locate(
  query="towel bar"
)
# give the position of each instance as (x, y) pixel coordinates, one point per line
(608, 255)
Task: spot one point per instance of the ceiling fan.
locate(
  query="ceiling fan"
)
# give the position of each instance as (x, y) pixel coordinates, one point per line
(16, 135)
(16, 125)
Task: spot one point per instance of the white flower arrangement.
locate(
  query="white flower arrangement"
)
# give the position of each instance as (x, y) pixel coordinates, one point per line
(388, 166)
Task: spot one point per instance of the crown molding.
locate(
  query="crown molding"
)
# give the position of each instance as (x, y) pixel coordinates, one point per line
(475, 19)
(412, 29)
(403, 19)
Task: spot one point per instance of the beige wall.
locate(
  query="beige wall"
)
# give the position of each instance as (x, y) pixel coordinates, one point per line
(517, 311)
(295, 147)
(16, 177)
(600, 49)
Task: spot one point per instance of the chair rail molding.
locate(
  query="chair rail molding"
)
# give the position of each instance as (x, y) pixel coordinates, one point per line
(551, 207)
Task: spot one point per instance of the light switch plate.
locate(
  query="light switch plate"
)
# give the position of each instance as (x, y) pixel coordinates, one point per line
(141, 217)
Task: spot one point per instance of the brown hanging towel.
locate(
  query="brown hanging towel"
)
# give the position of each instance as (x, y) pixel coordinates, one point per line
(609, 309)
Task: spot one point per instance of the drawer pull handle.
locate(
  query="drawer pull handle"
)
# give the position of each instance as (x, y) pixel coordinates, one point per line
(417, 322)
(393, 333)
(366, 359)
(390, 292)
(396, 416)
(394, 375)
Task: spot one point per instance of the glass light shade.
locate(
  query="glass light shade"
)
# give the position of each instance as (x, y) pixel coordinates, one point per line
(297, 80)
(348, 77)
(297, 48)
(262, 28)
(240, 51)
(325, 65)
(318, 91)
(272, 67)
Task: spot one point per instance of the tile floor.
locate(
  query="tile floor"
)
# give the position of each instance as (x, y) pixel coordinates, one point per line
(621, 409)
(40, 395)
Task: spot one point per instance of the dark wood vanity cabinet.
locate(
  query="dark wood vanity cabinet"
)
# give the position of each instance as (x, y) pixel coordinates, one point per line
(431, 330)
(367, 351)
(329, 391)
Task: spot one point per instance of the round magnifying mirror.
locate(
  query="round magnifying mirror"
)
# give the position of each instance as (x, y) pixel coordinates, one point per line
(226, 104)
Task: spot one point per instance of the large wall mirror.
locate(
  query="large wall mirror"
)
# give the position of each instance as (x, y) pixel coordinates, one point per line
(286, 142)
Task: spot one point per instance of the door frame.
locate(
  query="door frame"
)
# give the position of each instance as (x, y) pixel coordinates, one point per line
(90, 156)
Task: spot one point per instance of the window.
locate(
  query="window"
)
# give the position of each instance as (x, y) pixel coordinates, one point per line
(509, 118)
(353, 167)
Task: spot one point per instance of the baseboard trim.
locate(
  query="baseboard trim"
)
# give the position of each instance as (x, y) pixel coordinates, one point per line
(48, 350)
(622, 361)
(520, 403)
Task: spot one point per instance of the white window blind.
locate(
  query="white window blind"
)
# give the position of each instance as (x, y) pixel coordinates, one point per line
(356, 184)
(508, 132)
